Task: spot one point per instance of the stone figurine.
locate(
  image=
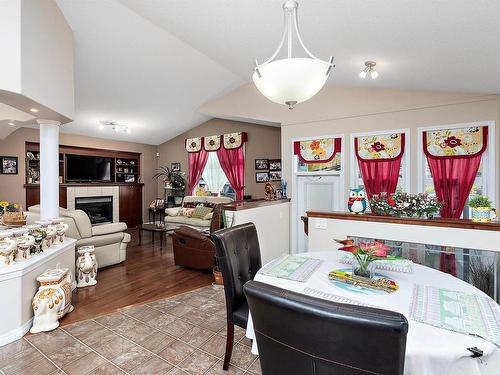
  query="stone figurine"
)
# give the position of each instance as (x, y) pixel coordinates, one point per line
(52, 300)
(86, 267)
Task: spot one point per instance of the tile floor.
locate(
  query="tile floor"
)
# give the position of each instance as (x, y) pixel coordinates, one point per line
(184, 334)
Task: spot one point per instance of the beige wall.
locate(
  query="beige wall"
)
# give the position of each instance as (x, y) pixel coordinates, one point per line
(263, 142)
(11, 187)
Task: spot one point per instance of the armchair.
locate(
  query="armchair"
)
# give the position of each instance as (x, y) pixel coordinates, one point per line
(110, 240)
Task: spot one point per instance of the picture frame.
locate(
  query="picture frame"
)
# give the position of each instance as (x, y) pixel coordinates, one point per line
(275, 176)
(129, 178)
(10, 164)
(261, 164)
(175, 167)
(261, 177)
(275, 164)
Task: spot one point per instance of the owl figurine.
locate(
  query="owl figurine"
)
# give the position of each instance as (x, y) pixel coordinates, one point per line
(357, 201)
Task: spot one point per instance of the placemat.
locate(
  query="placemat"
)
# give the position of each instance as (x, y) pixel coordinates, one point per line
(291, 267)
(332, 297)
(456, 311)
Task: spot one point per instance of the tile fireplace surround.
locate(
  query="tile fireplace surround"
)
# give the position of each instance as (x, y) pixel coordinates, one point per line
(73, 192)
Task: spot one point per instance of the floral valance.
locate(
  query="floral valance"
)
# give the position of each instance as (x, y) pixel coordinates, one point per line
(458, 142)
(213, 142)
(388, 146)
(321, 150)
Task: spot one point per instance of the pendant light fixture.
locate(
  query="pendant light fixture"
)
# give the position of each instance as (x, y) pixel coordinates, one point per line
(294, 79)
(369, 69)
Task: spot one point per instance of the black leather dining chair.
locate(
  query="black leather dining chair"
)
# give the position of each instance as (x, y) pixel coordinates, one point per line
(299, 334)
(238, 255)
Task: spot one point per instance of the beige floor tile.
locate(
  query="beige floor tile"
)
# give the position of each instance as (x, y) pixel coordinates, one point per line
(13, 349)
(217, 370)
(177, 371)
(216, 346)
(197, 363)
(181, 309)
(156, 342)
(197, 336)
(111, 320)
(84, 365)
(162, 321)
(69, 353)
(82, 330)
(153, 366)
(30, 365)
(134, 357)
(134, 330)
(114, 347)
(176, 352)
(99, 337)
(242, 356)
(255, 368)
(143, 313)
(177, 328)
(20, 359)
(49, 342)
(106, 369)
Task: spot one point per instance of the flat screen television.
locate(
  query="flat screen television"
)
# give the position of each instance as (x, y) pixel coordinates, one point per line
(82, 168)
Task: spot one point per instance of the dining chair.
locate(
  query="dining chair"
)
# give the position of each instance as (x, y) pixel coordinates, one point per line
(238, 255)
(299, 334)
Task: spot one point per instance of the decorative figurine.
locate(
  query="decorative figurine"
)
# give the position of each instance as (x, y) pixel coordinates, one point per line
(270, 192)
(61, 228)
(24, 243)
(46, 234)
(86, 267)
(357, 201)
(53, 299)
(8, 247)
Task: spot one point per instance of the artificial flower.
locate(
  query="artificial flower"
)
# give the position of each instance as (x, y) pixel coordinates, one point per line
(377, 147)
(453, 141)
(314, 145)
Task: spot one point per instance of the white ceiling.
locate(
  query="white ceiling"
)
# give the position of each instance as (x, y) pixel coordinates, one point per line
(151, 63)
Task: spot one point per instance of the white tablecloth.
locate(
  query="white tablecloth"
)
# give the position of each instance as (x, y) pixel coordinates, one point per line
(429, 350)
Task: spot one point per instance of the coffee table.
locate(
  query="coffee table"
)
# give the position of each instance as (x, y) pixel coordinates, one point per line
(156, 228)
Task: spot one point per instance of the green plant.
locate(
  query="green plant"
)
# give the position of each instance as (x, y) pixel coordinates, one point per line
(479, 201)
(175, 178)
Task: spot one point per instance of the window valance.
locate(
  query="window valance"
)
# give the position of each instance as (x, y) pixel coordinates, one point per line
(321, 150)
(210, 143)
(381, 147)
(455, 143)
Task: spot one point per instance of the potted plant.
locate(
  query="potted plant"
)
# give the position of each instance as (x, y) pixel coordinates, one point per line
(481, 209)
(173, 180)
(364, 255)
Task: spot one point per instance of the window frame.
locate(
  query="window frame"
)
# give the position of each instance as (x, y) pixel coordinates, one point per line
(487, 160)
(405, 159)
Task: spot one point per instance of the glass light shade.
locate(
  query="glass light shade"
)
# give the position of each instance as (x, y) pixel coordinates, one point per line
(362, 74)
(374, 74)
(292, 80)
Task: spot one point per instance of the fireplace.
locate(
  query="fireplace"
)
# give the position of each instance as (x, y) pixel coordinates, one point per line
(98, 209)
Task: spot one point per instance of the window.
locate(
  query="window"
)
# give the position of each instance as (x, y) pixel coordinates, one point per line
(213, 180)
(404, 175)
(485, 177)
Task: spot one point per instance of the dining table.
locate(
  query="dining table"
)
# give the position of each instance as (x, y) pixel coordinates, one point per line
(429, 349)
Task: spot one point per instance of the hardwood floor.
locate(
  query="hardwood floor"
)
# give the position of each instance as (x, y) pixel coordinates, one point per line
(146, 275)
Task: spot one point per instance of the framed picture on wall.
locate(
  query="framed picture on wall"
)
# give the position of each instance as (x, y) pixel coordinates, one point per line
(261, 164)
(129, 178)
(175, 167)
(275, 164)
(9, 164)
(261, 177)
(275, 176)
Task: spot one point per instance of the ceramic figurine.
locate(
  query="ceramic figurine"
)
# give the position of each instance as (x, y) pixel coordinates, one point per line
(46, 234)
(53, 299)
(270, 192)
(357, 201)
(86, 267)
(24, 243)
(61, 228)
(8, 248)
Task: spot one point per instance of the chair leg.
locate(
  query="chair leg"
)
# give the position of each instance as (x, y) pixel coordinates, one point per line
(229, 345)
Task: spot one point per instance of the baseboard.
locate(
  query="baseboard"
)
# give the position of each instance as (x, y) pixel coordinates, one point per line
(16, 334)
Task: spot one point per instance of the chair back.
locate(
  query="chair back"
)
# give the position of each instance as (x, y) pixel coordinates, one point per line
(238, 255)
(298, 334)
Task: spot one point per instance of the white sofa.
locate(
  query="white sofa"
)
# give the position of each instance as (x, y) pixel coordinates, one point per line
(172, 214)
(110, 240)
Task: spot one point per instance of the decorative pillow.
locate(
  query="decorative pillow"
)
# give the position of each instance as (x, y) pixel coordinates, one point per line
(209, 204)
(201, 211)
(208, 216)
(190, 204)
(174, 211)
(187, 212)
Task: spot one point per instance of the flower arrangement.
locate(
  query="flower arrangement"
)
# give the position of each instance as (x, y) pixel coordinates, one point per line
(364, 254)
(12, 214)
(481, 209)
(405, 205)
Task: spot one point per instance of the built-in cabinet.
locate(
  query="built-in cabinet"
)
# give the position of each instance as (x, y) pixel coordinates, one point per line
(126, 167)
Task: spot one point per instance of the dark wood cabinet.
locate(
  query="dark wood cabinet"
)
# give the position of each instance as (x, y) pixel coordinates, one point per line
(131, 204)
(33, 195)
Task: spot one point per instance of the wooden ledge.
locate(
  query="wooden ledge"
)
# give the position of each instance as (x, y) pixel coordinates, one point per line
(255, 203)
(437, 222)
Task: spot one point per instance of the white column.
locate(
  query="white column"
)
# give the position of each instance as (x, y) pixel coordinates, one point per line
(49, 169)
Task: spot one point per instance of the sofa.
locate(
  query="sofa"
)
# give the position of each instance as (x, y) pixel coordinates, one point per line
(110, 240)
(212, 222)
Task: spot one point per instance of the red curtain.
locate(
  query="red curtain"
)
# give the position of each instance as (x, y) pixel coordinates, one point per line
(380, 175)
(232, 163)
(197, 162)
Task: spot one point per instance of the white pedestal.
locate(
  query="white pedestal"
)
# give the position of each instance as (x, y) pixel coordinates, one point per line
(18, 285)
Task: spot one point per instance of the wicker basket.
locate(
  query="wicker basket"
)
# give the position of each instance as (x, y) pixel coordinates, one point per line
(14, 219)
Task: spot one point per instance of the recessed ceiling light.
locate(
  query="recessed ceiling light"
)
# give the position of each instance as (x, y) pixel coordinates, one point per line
(34, 110)
(11, 123)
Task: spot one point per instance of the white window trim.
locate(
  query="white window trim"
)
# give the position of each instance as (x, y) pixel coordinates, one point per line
(354, 166)
(488, 162)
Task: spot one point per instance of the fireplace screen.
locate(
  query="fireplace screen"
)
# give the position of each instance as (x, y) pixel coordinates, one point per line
(98, 209)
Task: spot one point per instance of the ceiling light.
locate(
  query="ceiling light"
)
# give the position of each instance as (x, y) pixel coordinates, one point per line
(34, 110)
(292, 80)
(369, 68)
(115, 126)
(11, 123)
(101, 127)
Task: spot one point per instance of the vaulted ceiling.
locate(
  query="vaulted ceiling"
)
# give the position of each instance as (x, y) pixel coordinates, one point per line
(150, 64)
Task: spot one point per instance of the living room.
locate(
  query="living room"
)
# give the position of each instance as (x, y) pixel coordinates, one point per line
(193, 189)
